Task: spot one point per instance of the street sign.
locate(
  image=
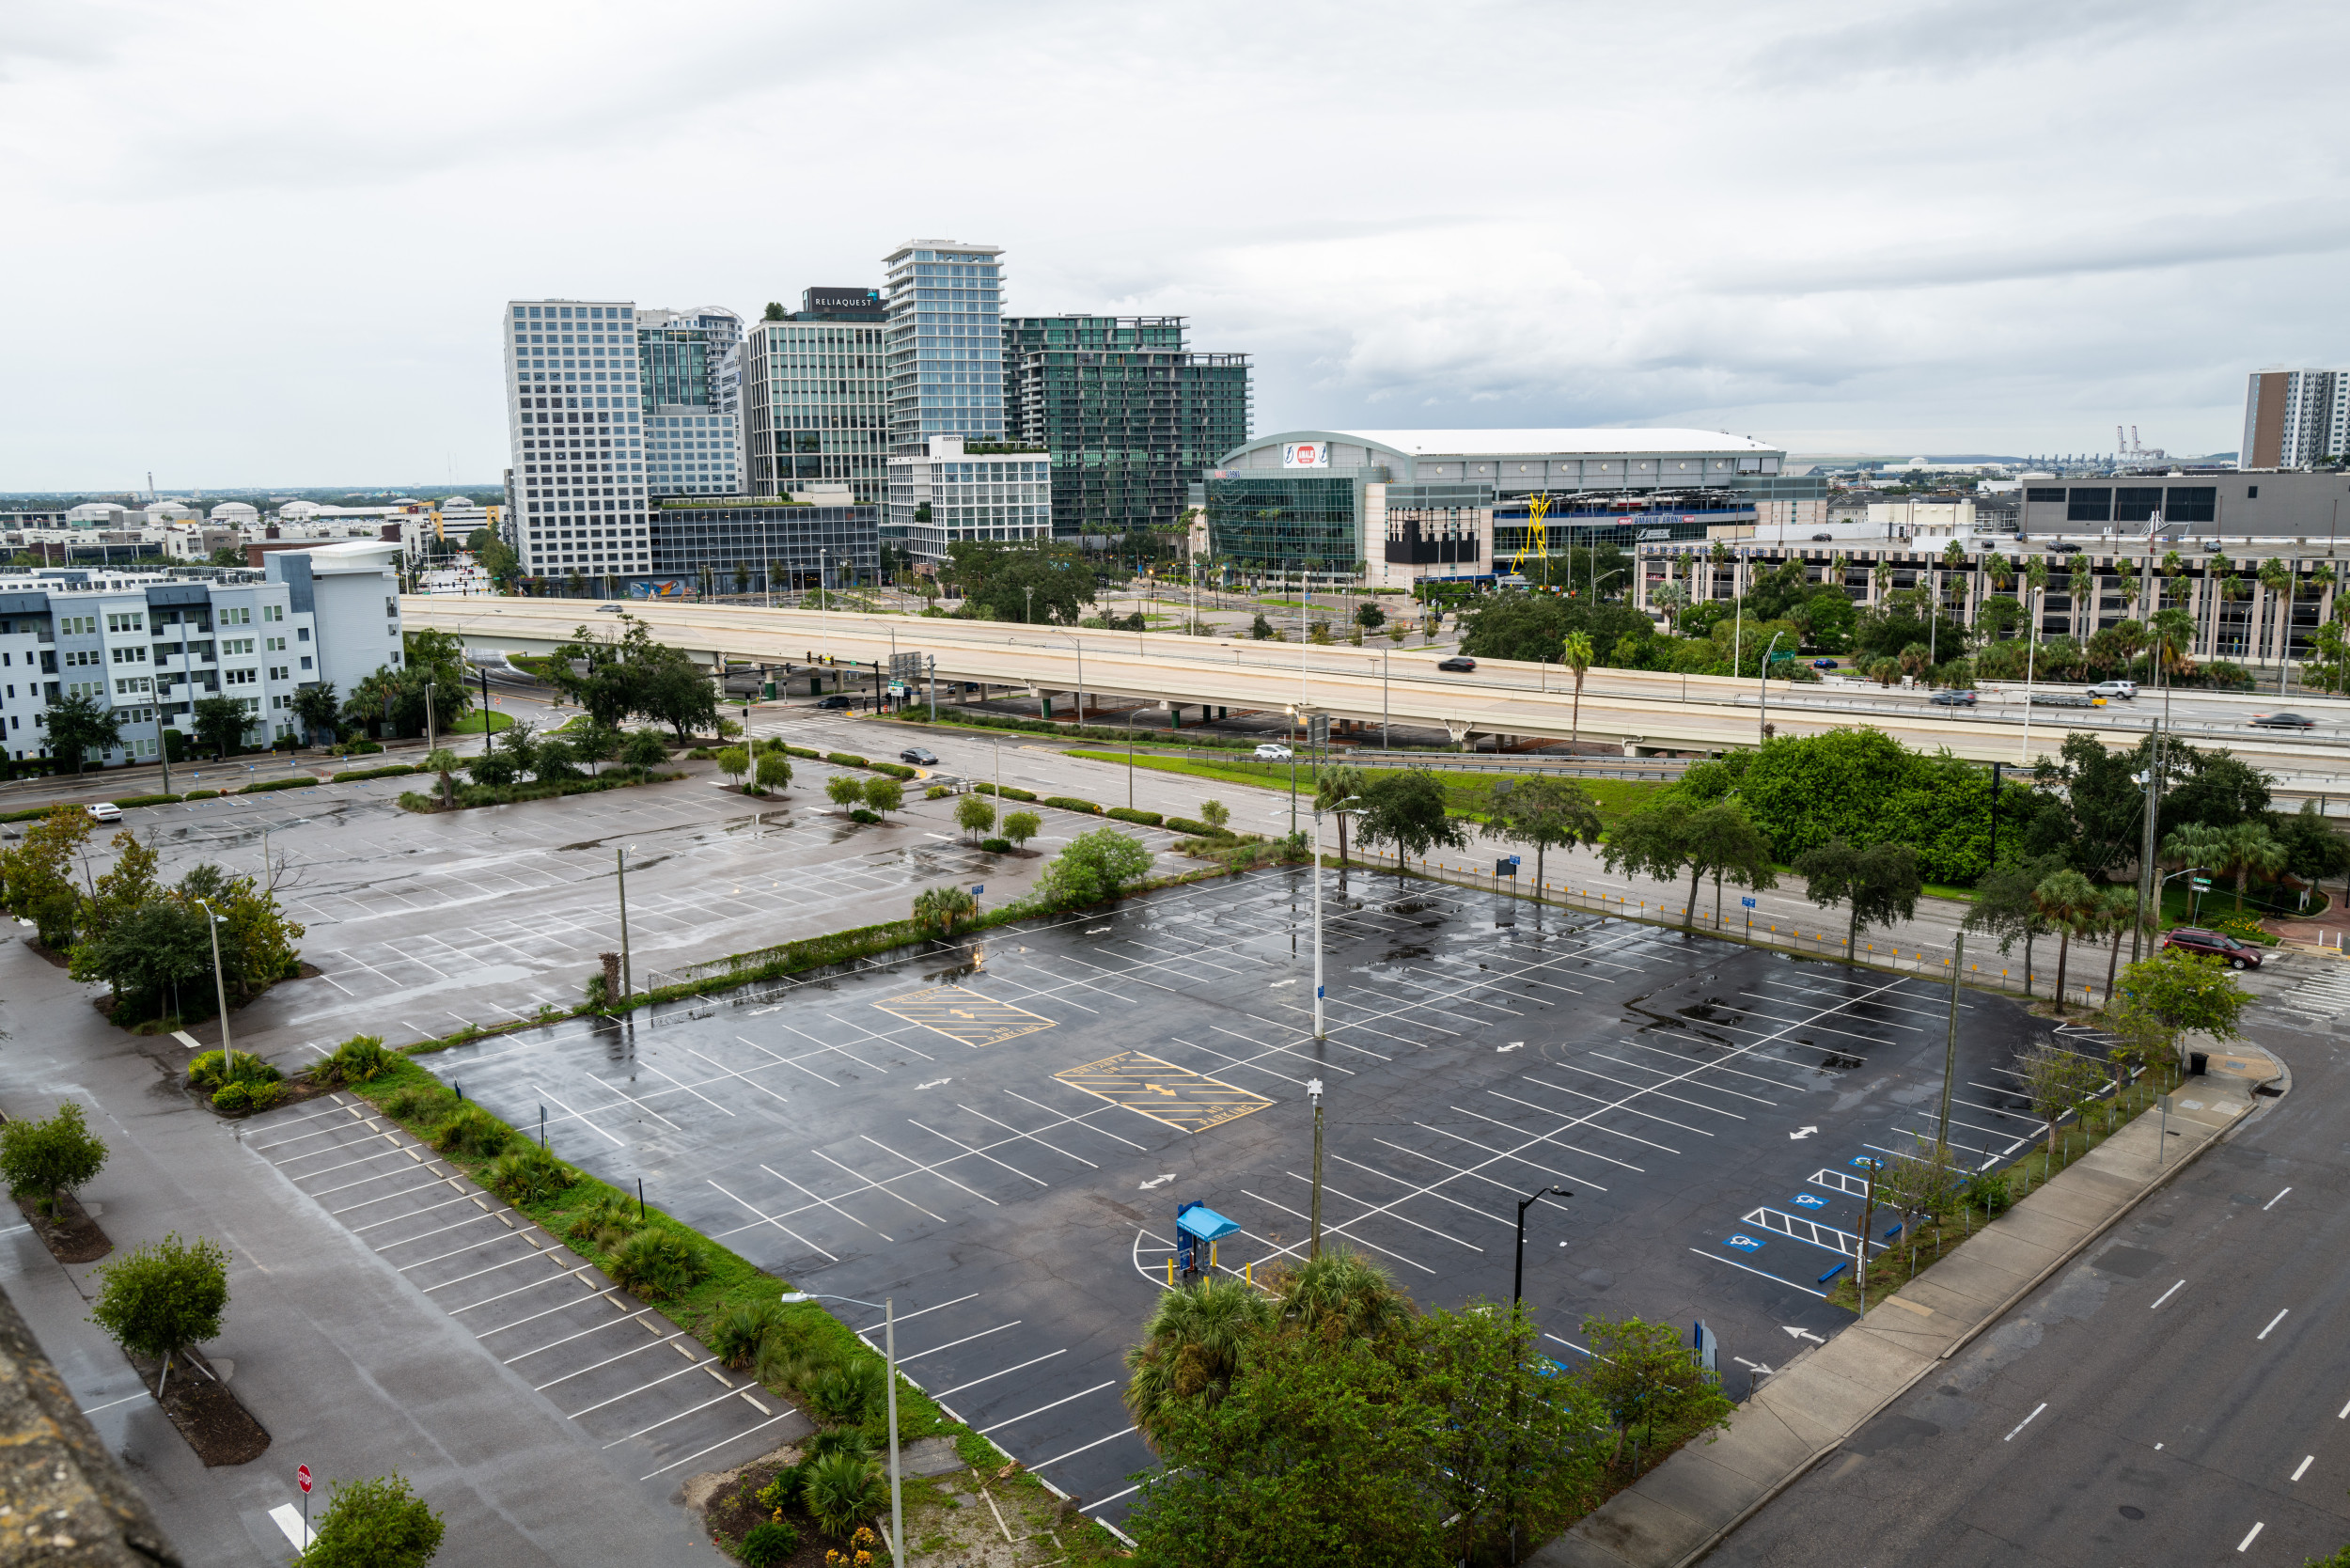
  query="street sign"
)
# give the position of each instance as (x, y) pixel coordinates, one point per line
(977, 887)
(2201, 884)
(1507, 866)
(1748, 903)
(1318, 730)
(302, 1473)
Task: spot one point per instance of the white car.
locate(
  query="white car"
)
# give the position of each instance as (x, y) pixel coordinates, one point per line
(1269, 752)
(103, 811)
(2125, 690)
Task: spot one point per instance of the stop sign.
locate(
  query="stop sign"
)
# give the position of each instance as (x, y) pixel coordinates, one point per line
(302, 1473)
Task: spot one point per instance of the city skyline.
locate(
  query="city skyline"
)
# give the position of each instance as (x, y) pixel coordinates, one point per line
(2020, 254)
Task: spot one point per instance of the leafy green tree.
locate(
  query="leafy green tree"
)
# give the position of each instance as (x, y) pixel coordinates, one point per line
(1407, 810)
(158, 951)
(2187, 992)
(1924, 1183)
(1545, 811)
(1092, 867)
(1033, 581)
(941, 909)
(1879, 884)
(493, 767)
(2107, 805)
(1216, 814)
(2313, 851)
(644, 748)
(1671, 834)
(975, 814)
(680, 696)
(496, 557)
(1334, 786)
(220, 725)
(1020, 826)
(1648, 1378)
(79, 725)
(775, 771)
(39, 875)
(163, 1298)
(844, 790)
(318, 709)
(1505, 1435)
(2057, 1084)
(735, 762)
(1368, 616)
(41, 1159)
(885, 795)
(374, 1524)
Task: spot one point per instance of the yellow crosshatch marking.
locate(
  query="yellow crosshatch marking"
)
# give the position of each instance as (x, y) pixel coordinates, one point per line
(964, 1015)
(1163, 1092)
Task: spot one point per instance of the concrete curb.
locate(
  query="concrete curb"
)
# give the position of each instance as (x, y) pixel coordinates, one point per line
(1634, 1528)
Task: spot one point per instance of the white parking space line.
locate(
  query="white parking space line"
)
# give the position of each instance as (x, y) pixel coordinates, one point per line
(1040, 1410)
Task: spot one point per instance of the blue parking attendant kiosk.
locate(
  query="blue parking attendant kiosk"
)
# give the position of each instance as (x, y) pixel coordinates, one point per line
(1195, 1223)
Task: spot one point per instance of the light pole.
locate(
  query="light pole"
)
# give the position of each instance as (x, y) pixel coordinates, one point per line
(2031, 648)
(1350, 800)
(1313, 1245)
(889, 1353)
(1763, 729)
(220, 990)
(1517, 1285)
(824, 594)
(628, 981)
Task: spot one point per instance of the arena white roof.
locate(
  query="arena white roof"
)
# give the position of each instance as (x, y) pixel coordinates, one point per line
(1563, 442)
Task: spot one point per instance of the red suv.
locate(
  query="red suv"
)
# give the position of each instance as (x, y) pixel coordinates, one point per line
(2212, 944)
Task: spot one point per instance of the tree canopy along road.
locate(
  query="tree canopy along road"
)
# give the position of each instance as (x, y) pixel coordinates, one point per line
(1644, 709)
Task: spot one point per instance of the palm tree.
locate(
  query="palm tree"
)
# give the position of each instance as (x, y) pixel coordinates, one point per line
(2169, 634)
(2193, 845)
(2277, 577)
(1577, 652)
(2035, 581)
(1191, 1348)
(1343, 1294)
(2069, 902)
(1999, 570)
(2250, 849)
(2117, 917)
(1332, 785)
(1670, 597)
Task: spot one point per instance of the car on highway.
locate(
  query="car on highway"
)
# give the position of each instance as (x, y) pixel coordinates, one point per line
(1270, 752)
(103, 811)
(2066, 700)
(2060, 548)
(1822, 539)
(921, 757)
(2213, 944)
(1822, 663)
(2283, 721)
(611, 609)
(1458, 661)
(835, 701)
(1952, 699)
(2125, 690)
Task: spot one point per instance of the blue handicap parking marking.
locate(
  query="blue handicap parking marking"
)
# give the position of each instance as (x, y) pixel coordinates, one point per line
(1744, 1242)
(1808, 1201)
(1867, 1162)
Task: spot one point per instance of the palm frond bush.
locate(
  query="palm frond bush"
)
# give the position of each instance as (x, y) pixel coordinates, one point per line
(657, 1262)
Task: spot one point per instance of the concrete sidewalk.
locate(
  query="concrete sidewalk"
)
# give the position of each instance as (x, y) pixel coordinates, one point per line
(1682, 1509)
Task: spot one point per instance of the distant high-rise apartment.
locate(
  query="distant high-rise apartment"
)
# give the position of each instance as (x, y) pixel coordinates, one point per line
(815, 404)
(944, 342)
(1131, 417)
(575, 485)
(953, 476)
(691, 369)
(2292, 418)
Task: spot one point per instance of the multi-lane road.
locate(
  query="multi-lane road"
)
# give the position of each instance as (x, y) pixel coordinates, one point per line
(1641, 709)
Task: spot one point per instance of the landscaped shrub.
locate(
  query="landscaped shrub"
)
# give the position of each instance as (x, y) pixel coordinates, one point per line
(996, 846)
(206, 1071)
(201, 794)
(39, 1159)
(473, 1132)
(741, 1329)
(843, 759)
(147, 800)
(770, 1542)
(1007, 792)
(657, 1262)
(529, 1175)
(360, 1060)
(1987, 1190)
(232, 1097)
(846, 1394)
(423, 1104)
(936, 791)
(895, 770)
(1196, 829)
(1129, 814)
(802, 751)
(862, 815)
(606, 1223)
(839, 1490)
(355, 776)
(267, 786)
(261, 1096)
(1071, 802)
(375, 1523)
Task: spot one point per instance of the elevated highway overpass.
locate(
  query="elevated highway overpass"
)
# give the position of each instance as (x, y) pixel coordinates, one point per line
(1643, 710)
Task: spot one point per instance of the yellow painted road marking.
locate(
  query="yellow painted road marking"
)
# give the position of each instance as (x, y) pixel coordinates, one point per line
(1163, 1092)
(964, 1015)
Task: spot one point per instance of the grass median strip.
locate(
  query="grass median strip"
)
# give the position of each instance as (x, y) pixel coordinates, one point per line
(1465, 793)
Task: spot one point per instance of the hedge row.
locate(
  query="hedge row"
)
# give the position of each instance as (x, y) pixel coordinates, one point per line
(1128, 814)
(270, 786)
(1197, 830)
(983, 720)
(352, 776)
(128, 801)
(801, 751)
(1006, 791)
(1071, 802)
(471, 795)
(843, 759)
(895, 770)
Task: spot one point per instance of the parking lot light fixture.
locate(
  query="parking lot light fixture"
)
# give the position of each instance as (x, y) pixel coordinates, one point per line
(889, 1353)
(220, 989)
(1313, 1244)
(1350, 801)
(1517, 1285)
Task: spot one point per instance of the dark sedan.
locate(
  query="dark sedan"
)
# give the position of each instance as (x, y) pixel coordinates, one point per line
(1952, 699)
(835, 700)
(1822, 663)
(2284, 721)
(1458, 661)
(920, 756)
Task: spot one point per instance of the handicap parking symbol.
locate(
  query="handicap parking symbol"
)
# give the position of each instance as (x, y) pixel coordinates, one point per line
(1867, 1162)
(1742, 1243)
(1809, 1201)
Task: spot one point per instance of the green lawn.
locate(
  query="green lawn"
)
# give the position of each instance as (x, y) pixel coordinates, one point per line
(1465, 793)
(471, 724)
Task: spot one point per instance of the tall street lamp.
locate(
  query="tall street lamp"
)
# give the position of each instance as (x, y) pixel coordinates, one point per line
(1517, 1285)
(1762, 730)
(220, 989)
(628, 980)
(1342, 806)
(1313, 1244)
(889, 1353)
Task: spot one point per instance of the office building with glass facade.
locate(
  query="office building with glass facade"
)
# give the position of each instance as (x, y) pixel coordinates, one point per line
(1131, 417)
(1394, 507)
(575, 402)
(706, 545)
(815, 404)
(958, 489)
(690, 375)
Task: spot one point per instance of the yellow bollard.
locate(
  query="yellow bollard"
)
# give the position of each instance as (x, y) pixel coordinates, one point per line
(1170, 1271)
(1248, 1271)
(1212, 1257)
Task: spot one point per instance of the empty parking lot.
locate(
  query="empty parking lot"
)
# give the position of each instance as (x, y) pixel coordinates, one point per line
(999, 1139)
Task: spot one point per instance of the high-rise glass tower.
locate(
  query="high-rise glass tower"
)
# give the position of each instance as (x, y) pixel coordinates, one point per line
(691, 371)
(575, 491)
(815, 404)
(944, 342)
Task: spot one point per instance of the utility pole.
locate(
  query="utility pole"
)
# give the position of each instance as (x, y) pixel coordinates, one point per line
(628, 980)
(1313, 1092)
(228, 1052)
(1950, 1048)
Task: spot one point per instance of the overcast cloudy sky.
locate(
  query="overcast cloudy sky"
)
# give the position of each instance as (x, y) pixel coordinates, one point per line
(262, 241)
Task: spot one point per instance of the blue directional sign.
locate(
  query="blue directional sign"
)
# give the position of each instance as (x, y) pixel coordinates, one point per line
(1748, 902)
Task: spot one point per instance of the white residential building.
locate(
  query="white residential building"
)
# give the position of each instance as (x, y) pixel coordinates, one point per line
(2293, 417)
(949, 493)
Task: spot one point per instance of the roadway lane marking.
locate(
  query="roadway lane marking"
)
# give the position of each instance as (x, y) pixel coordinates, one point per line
(2167, 1294)
(2027, 1421)
(2303, 1468)
(2272, 1202)
(2273, 1323)
(2251, 1534)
